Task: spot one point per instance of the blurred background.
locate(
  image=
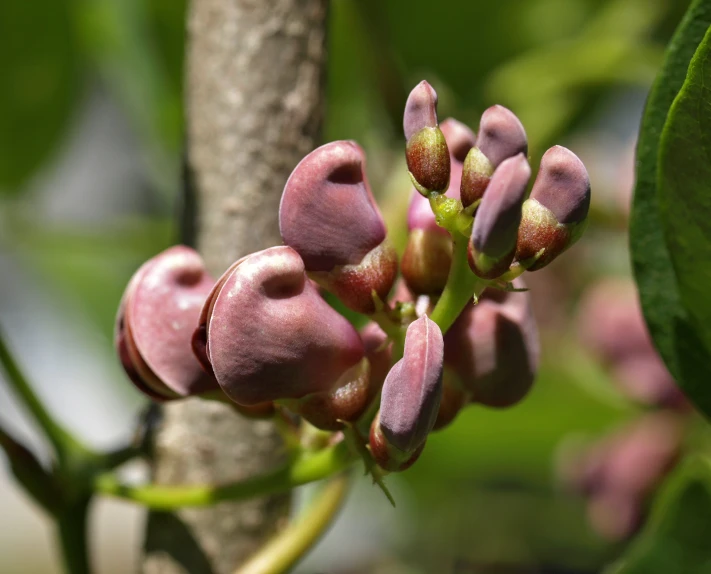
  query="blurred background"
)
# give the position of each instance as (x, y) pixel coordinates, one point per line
(90, 145)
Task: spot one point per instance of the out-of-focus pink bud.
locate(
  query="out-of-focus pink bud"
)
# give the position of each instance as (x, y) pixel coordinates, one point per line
(555, 214)
(493, 240)
(426, 152)
(643, 453)
(610, 321)
(615, 516)
(328, 215)
(493, 347)
(411, 393)
(644, 378)
(155, 322)
(460, 139)
(267, 334)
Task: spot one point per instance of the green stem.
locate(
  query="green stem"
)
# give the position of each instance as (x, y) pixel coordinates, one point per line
(289, 546)
(36, 481)
(71, 533)
(61, 440)
(461, 286)
(302, 471)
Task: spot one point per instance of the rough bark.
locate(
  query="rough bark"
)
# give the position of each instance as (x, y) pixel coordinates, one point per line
(254, 106)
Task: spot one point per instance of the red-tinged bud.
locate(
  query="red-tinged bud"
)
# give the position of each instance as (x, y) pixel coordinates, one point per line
(428, 161)
(413, 388)
(493, 240)
(155, 323)
(386, 455)
(354, 284)
(501, 135)
(328, 215)
(476, 175)
(426, 261)
(493, 347)
(454, 398)
(345, 402)
(267, 333)
(555, 214)
(426, 152)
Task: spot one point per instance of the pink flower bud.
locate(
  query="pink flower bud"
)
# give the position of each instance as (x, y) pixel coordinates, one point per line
(267, 333)
(412, 391)
(328, 215)
(493, 348)
(555, 214)
(501, 135)
(155, 322)
(426, 153)
(493, 240)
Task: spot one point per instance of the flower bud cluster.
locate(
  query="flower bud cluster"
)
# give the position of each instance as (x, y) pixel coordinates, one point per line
(485, 176)
(264, 338)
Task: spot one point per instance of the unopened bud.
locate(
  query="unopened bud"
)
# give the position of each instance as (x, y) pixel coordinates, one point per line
(493, 240)
(476, 175)
(554, 216)
(155, 322)
(454, 398)
(412, 391)
(501, 135)
(426, 261)
(426, 153)
(493, 347)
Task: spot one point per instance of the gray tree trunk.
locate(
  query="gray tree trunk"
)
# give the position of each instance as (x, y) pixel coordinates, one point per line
(254, 107)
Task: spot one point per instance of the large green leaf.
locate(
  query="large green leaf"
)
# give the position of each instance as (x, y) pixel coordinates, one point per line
(676, 538)
(40, 77)
(669, 324)
(684, 186)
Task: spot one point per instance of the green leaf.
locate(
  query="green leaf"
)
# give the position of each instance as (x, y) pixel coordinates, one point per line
(670, 327)
(676, 538)
(40, 79)
(684, 186)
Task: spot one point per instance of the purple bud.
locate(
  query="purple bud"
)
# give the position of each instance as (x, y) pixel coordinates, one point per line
(384, 453)
(420, 109)
(501, 135)
(327, 211)
(493, 347)
(493, 240)
(563, 185)
(378, 351)
(426, 261)
(413, 389)
(269, 335)
(555, 214)
(155, 322)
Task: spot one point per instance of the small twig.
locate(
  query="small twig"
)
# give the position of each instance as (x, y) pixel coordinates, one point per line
(61, 440)
(302, 471)
(288, 547)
